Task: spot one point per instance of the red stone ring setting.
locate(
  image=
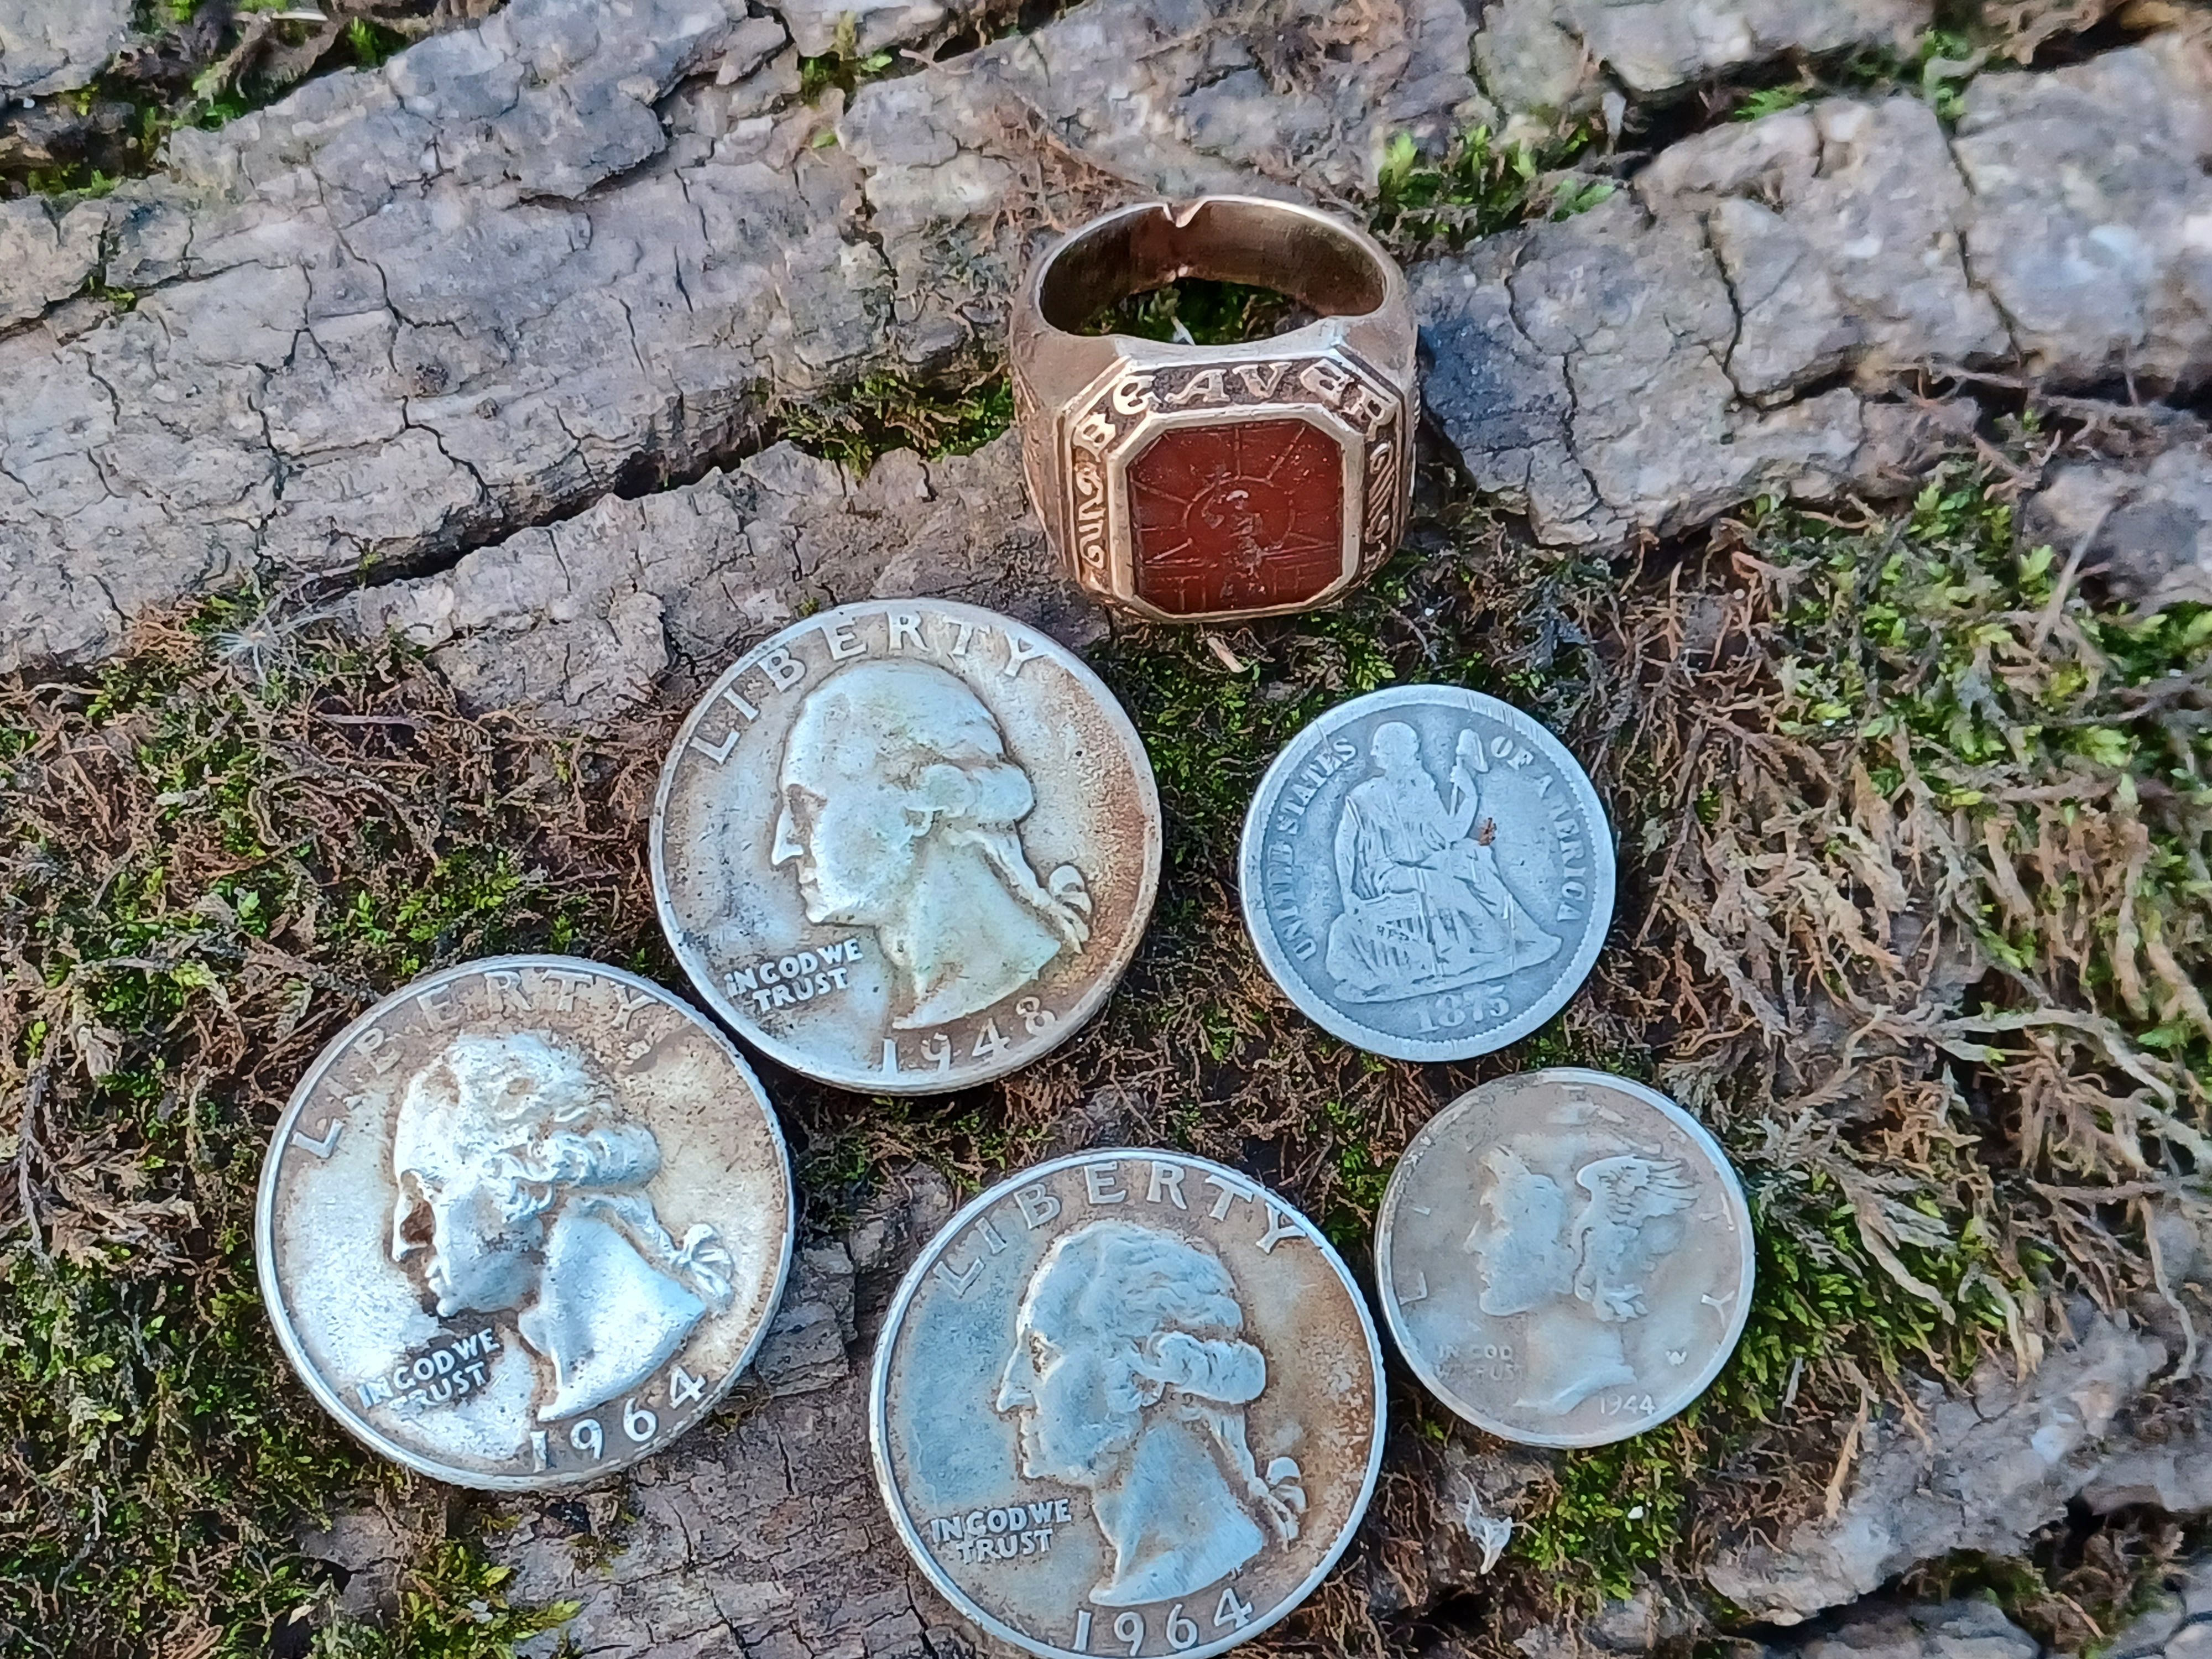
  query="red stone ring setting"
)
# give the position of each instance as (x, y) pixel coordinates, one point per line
(1207, 482)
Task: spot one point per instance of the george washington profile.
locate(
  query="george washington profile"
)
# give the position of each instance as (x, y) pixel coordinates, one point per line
(899, 811)
(522, 1191)
(1129, 1376)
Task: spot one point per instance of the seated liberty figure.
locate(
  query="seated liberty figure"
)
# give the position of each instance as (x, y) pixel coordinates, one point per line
(1425, 908)
(899, 811)
(1129, 1377)
(522, 1192)
(1577, 1280)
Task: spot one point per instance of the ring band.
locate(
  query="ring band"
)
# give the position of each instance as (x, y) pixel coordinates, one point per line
(1209, 482)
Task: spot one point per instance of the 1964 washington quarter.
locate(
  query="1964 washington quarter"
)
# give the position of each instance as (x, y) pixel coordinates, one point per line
(1564, 1257)
(906, 846)
(1427, 873)
(1127, 1403)
(524, 1222)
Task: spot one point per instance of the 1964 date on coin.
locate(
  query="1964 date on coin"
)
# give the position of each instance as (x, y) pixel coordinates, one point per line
(524, 1222)
(1129, 1402)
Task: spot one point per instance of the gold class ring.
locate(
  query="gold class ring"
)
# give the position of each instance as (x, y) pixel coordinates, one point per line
(1206, 483)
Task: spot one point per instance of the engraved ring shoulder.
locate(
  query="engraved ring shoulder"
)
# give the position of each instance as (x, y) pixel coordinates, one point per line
(1186, 483)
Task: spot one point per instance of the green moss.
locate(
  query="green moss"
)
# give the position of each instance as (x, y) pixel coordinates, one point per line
(886, 411)
(2047, 722)
(454, 1606)
(1617, 1511)
(151, 1404)
(1770, 100)
(1362, 1175)
(369, 44)
(1199, 312)
(1557, 1043)
(1479, 187)
(1621, 1510)
(843, 66)
(2026, 734)
(1937, 67)
(204, 869)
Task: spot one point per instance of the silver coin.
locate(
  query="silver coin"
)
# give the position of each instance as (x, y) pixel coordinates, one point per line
(1127, 1402)
(1564, 1257)
(524, 1222)
(906, 846)
(1427, 873)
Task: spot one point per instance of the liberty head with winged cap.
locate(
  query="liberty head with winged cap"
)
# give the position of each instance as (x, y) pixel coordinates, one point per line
(1573, 1263)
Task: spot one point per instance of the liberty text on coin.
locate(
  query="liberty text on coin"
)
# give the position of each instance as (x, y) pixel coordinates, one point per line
(1127, 1402)
(524, 1222)
(906, 846)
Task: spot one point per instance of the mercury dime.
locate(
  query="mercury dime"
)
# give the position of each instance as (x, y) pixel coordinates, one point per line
(1128, 1403)
(1427, 873)
(1564, 1257)
(524, 1222)
(906, 846)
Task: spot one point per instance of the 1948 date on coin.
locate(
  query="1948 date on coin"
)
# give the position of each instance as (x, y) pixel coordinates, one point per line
(904, 847)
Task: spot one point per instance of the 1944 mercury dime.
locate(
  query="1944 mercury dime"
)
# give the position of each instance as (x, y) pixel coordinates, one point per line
(1427, 873)
(1564, 1257)
(906, 846)
(524, 1222)
(1127, 1403)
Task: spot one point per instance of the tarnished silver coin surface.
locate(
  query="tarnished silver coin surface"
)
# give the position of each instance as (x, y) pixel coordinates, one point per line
(1127, 1402)
(1564, 1257)
(1427, 873)
(524, 1222)
(906, 846)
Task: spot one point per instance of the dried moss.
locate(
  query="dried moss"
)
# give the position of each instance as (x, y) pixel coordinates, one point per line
(1908, 801)
(1939, 1090)
(214, 854)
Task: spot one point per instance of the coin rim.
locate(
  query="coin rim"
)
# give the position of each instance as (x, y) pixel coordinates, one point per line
(895, 1316)
(1326, 1014)
(801, 1060)
(1394, 1316)
(265, 1232)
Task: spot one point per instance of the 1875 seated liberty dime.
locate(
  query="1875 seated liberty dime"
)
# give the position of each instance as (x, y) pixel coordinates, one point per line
(524, 1222)
(1427, 873)
(1129, 1403)
(1564, 1257)
(906, 846)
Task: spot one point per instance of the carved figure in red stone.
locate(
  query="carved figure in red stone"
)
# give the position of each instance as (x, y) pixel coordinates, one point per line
(1237, 516)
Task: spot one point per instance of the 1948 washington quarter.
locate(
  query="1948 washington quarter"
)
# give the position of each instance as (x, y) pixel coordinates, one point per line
(1427, 873)
(906, 846)
(1565, 1258)
(1127, 1403)
(524, 1222)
